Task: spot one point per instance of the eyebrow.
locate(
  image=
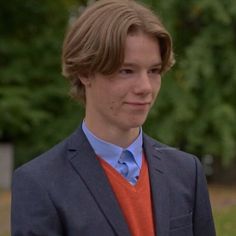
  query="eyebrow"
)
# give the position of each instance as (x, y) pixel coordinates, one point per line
(159, 64)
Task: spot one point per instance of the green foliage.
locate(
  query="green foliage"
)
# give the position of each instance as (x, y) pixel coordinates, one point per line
(35, 109)
(196, 108)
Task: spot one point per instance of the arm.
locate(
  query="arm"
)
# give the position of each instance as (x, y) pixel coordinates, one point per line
(202, 219)
(32, 210)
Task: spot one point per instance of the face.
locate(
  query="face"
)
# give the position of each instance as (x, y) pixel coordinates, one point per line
(121, 101)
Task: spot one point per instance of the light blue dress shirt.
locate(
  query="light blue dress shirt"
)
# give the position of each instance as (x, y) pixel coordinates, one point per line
(111, 153)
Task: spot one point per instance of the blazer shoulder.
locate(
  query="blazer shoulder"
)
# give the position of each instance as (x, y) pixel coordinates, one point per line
(48, 163)
(172, 156)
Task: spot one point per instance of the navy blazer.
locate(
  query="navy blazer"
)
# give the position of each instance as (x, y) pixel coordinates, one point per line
(66, 192)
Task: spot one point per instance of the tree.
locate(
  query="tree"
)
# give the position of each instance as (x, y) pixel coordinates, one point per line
(196, 109)
(34, 106)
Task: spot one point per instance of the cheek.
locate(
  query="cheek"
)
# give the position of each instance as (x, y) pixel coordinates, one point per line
(156, 88)
(112, 106)
(115, 106)
(113, 98)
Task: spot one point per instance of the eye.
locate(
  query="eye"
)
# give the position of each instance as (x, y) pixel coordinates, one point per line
(156, 70)
(125, 71)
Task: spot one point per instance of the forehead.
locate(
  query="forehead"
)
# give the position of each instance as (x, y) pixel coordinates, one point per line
(142, 47)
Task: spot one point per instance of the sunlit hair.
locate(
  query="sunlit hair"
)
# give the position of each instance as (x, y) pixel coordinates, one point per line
(95, 42)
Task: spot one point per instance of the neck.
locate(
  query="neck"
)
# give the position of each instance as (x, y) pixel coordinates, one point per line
(119, 137)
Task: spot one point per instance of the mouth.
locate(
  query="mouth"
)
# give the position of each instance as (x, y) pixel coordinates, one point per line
(139, 104)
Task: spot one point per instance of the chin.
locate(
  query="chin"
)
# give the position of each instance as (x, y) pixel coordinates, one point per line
(136, 123)
(132, 121)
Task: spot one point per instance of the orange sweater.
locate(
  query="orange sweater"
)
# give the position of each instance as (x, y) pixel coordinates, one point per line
(135, 201)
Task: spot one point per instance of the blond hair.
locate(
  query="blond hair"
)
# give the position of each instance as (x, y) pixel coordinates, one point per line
(95, 42)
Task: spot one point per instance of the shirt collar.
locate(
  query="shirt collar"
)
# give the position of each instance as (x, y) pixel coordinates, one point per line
(110, 152)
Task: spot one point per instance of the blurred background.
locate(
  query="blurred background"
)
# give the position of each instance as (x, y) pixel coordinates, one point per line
(195, 111)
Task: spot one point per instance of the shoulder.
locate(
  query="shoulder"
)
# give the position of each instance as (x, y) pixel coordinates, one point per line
(46, 159)
(175, 161)
(183, 171)
(49, 164)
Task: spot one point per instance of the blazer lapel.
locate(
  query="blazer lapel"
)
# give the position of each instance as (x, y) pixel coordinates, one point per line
(88, 167)
(159, 185)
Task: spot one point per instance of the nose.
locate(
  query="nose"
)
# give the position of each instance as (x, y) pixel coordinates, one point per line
(143, 84)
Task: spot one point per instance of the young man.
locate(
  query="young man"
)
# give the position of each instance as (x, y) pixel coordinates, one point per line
(108, 178)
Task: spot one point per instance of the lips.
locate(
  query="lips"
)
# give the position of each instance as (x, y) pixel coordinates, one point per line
(138, 103)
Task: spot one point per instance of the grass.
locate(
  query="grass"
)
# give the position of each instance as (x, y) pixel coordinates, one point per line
(223, 200)
(225, 221)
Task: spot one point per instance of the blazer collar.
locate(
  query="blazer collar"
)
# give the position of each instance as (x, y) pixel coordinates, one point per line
(88, 168)
(155, 154)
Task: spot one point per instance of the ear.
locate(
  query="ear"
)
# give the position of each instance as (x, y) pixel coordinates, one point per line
(85, 80)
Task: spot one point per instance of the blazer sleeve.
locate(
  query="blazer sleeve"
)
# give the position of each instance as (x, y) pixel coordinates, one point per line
(203, 223)
(32, 211)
